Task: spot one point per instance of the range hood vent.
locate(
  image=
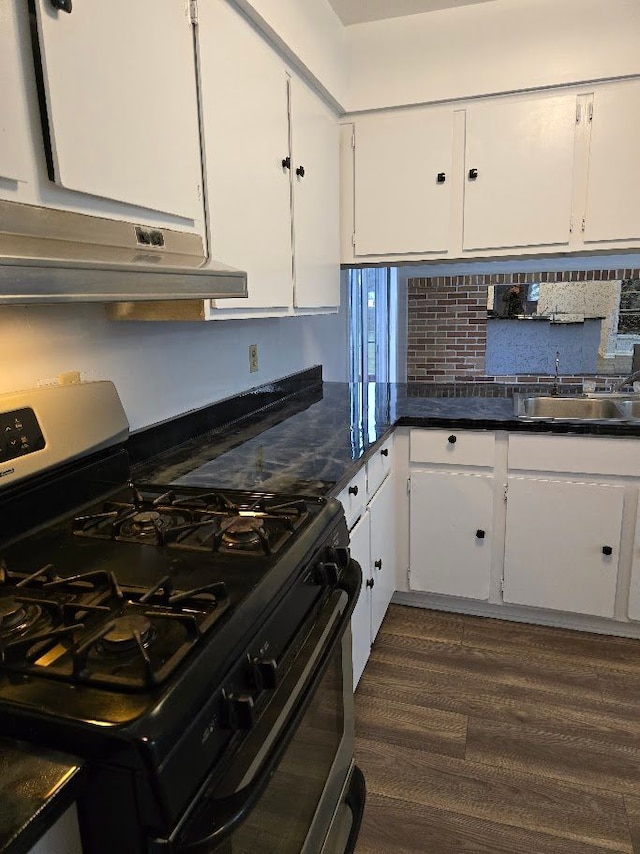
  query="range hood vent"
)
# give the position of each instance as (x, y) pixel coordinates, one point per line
(53, 256)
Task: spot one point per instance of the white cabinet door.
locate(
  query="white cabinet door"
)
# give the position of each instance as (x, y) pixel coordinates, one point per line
(634, 593)
(361, 617)
(521, 154)
(401, 206)
(383, 552)
(315, 173)
(614, 178)
(244, 98)
(562, 544)
(121, 98)
(451, 533)
(13, 144)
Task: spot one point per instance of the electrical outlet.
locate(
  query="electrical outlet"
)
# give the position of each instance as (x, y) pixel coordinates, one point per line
(253, 358)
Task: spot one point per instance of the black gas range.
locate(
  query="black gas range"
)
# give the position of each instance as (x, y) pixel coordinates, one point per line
(191, 644)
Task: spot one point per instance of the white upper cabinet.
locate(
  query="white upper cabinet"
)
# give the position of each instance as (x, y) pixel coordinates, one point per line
(13, 144)
(519, 172)
(402, 180)
(612, 211)
(244, 101)
(315, 173)
(121, 98)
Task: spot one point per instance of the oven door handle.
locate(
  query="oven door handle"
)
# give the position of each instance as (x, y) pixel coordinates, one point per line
(199, 835)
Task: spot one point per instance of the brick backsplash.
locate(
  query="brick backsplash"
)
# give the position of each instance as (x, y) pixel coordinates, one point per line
(447, 321)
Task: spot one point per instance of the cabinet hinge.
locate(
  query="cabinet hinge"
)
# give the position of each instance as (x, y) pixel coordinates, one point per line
(193, 11)
(506, 491)
(408, 576)
(353, 240)
(502, 586)
(584, 224)
(353, 140)
(408, 486)
(590, 113)
(571, 226)
(578, 113)
(199, 191)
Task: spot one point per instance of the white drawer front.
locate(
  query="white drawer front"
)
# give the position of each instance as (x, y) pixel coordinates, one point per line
(354, 497)
(575, 454)
(378, 467)
(453, 447)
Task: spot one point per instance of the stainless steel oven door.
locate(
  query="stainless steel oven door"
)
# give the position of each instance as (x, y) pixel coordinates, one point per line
(289, 790)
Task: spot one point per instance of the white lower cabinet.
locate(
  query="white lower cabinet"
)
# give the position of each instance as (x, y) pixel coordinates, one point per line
(562, 544)
(451, 533)
(373, 545)
(634, 592)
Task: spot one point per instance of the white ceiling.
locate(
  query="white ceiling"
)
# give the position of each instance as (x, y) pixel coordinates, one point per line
(359, 11)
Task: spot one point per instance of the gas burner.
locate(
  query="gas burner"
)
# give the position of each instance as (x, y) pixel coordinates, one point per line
(17, 617)
(244, 532)
(128, 633)
(148, 526)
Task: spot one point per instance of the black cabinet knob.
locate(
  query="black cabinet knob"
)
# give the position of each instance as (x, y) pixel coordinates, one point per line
(378, 564)
(473, 174)
(286, 163)
(441, 178)
(607, 550)
(480, 534)
(385, 452)
(452, 439)
(62, 5)
(370, 582)
(353, 490)
(300, 171)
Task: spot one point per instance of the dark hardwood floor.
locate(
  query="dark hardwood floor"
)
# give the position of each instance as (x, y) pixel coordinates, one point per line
(479, 736)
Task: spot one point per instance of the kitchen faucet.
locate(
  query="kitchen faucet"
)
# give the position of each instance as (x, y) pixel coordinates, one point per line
(630, 379)
(554, 387)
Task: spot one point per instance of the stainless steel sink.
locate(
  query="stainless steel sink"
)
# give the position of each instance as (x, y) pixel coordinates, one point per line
(630, 408)
(569, 408)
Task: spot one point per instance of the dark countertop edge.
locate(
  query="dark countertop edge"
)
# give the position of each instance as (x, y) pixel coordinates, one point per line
(43, 818)
(517, 425)
(149, 442)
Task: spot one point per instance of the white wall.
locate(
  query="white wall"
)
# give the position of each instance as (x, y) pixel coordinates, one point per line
(309, 29)
(162, 369)
(506, 45)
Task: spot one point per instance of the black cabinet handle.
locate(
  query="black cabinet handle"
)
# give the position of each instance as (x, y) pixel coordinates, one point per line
(473, 174)
(62, 5)
(441, 178)
(385, 452)
(607, 550)
(353, 490)
(286, 163)
(480, 534)
(452, 439)
(300, 171)
(378, 564)
(370, 582)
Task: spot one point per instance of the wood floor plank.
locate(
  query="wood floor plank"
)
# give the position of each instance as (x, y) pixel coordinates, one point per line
(497, 795)
(632, 806)
(396, 827)
(597, 651)
(570, 712)
(554, 754)
(423, 623)
(503, 667)
(392, 722)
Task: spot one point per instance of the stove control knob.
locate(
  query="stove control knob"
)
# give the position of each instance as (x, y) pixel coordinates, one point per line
(326, 573)
(340, 556)
(239, 711)
(263, 673)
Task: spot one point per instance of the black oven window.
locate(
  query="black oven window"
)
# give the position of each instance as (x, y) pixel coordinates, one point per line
(281, 821)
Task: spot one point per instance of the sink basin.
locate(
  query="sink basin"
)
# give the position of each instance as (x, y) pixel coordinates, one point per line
(569, 408)
(630, 407)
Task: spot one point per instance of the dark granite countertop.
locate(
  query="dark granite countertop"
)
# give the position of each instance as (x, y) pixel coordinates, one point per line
(36, 787)
(313, 441)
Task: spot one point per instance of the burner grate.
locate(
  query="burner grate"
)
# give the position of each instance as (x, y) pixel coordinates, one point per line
(91, 630)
